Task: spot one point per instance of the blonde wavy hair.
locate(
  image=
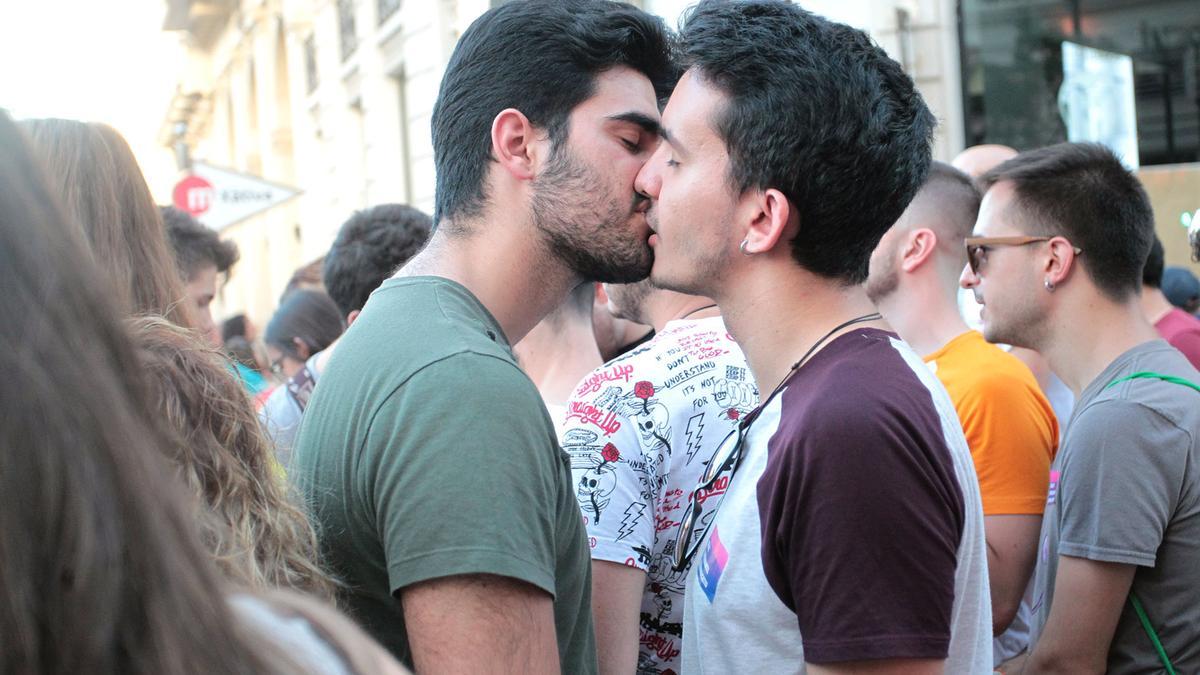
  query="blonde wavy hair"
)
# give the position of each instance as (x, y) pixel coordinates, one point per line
(260, 539)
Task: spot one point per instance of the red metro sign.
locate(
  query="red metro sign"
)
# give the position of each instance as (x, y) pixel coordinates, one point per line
(194, 195)
(220, 197)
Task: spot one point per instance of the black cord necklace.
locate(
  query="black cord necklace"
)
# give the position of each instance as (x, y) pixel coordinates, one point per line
(857, 320)
(698, 309)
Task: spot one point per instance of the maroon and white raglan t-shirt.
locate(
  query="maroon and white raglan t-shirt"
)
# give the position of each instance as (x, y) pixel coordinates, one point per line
(852, 529)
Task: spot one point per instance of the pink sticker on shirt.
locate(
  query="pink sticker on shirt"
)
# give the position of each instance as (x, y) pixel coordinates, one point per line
(712, 565)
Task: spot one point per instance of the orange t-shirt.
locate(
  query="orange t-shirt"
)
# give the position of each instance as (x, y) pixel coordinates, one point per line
(1010, 426)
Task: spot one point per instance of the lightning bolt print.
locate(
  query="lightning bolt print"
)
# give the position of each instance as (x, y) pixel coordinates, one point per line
(633, 515)
(694, 433)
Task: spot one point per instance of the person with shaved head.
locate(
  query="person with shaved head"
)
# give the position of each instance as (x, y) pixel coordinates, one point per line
(1009, 425)
(979, 159)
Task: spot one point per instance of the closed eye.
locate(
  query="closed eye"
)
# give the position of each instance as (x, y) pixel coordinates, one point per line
(672, 163)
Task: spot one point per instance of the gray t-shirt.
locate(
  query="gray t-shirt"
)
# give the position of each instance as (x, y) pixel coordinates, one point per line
(1125, 488)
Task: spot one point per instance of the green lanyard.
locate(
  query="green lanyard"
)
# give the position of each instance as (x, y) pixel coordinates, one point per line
(1137, 604)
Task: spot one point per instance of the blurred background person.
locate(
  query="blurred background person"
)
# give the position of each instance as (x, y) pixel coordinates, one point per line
(369, 248)
(1181, 288)
(257, 536)
(103, 190)
(239, 325)
(560, 350)
(306, 322)
(102, 567)
(201, 257)
(240, 338)
(1176, 326)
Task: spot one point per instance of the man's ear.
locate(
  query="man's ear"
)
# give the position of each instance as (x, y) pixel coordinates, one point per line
(302, 349)
(919, 245)
(352, 316)
(514, 144)
(1061, 261)
(772, 219)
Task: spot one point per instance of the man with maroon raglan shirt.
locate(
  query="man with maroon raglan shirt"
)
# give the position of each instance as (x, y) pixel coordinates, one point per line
(850, 536)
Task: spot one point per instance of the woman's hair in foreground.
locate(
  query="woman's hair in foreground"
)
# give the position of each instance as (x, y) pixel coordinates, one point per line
(92, 169)
(260, 539)
(100, 566)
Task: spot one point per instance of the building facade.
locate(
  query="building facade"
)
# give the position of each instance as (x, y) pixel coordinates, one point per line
(334, 97)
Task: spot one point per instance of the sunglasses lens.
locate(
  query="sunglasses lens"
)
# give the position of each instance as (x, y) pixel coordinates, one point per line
(724, 451)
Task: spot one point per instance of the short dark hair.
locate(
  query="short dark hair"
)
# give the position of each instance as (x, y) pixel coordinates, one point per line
(369, 248)
(1081, 191)
(234, 326)
(540, 57)
(818, 111)
(196, 245)
(1152, 273)
(306, 314)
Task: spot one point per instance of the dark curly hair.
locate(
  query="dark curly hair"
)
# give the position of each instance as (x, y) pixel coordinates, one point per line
(196, 245)
(819, 112)
(369, 248)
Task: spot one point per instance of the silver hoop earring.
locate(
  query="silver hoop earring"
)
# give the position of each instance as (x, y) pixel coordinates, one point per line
(742, 247)
(1050, 285)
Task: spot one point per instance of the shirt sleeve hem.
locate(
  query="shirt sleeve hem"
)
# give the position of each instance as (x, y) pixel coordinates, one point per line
(877, 647)
(460, 561)
(1015, 506)
(1101, 554)
(617, 552)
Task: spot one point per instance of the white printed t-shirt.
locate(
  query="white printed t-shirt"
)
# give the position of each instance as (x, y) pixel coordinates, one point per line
(639, 430)
(851, 530)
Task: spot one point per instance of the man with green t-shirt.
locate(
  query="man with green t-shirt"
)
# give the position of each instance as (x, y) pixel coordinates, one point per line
(430, 464)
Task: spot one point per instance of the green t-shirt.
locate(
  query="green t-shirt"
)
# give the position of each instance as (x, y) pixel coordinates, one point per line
(426, 452)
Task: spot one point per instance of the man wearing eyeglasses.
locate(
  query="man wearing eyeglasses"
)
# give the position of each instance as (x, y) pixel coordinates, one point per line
(640, 430)
(1010, 427)
(850, 537)
(1062, 236)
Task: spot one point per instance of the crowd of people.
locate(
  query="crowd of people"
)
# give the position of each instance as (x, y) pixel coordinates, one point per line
(677, 378)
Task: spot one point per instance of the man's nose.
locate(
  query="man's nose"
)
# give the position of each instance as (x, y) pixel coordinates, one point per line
(968, 279)
(648, 181)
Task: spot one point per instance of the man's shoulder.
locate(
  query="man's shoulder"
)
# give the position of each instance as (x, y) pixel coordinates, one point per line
(861, 389)
(412, 323)
(1116, 396)
(988, 373)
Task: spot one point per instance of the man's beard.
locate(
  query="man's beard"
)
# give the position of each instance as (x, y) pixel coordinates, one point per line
(587, 230)
(883, 282)
(627, 300)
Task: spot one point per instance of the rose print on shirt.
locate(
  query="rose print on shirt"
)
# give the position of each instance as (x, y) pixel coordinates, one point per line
(643, 390)
(598, 482)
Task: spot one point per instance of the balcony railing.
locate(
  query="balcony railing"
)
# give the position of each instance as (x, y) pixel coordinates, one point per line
(386, 9)
(346, 27)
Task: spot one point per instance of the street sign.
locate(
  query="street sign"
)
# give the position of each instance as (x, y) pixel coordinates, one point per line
(220, 197)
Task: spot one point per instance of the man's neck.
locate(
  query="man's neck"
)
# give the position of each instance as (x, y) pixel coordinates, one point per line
(775, 328)
(661, 307)
(504, 266)
(924, 316)
(1154, 304)
(556, 356)
(1078, 354)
